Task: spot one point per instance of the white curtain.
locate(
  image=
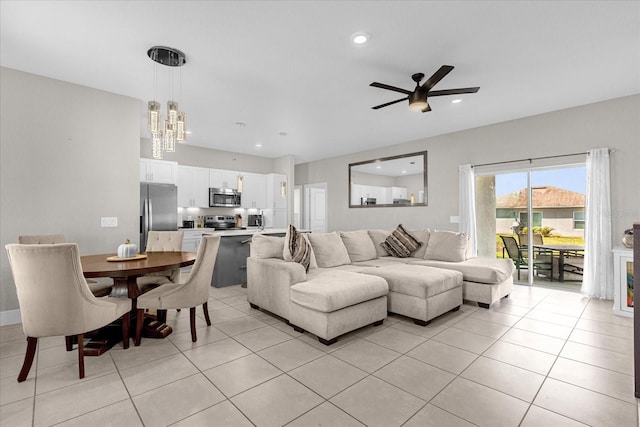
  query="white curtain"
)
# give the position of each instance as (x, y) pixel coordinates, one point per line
(467, 206)
(598, 262)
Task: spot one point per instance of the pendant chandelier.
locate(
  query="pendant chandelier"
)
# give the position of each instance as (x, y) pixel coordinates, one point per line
(165, 134)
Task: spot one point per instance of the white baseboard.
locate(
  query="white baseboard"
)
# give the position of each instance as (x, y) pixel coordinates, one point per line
(10, 317)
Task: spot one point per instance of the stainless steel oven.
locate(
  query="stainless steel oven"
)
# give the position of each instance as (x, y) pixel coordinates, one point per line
(224, 197)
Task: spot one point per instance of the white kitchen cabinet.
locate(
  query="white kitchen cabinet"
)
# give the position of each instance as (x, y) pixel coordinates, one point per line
(158, 171)
(275, 198)
(399, 193)
(623, 281)
(275, 218)
(253, 191)
(219, 178)
(193, 187)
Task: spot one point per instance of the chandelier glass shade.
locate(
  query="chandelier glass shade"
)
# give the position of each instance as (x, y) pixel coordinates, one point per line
(165, 134)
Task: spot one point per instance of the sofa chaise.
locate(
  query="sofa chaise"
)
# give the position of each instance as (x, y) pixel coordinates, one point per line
(340, 281)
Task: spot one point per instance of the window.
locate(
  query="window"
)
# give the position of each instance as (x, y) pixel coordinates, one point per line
(536, 217)
(578, 220)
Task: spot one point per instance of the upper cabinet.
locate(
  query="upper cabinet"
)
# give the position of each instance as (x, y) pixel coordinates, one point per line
(158, 171)
(223, 179)
(193, 187)
(253, 191)
(276, 191)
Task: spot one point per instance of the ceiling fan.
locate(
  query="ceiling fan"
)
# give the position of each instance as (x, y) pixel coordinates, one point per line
(418, 98)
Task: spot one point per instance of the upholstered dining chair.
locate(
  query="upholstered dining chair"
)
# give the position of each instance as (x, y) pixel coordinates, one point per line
(162, 241)
(55, 299)
(190, 294)
(98, 289)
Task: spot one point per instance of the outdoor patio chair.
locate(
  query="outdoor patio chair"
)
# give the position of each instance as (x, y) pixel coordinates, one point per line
(541, 261)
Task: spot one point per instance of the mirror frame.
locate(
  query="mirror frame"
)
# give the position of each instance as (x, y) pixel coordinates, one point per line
(382, 159)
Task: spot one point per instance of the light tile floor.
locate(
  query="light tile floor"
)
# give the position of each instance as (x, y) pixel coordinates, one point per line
(541, 357)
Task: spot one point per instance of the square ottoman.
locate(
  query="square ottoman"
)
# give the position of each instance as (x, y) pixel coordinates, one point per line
(420, 292)
(337, 302)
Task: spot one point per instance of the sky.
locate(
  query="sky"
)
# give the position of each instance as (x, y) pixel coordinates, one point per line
(573, 179)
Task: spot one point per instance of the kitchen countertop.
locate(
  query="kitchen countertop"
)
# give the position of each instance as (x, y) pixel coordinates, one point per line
(247, 232)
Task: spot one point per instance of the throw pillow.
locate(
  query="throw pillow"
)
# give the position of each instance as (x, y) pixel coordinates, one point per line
(359, 245)
(263, 246)
(329, 249)
(400, 243)
(447, 246)
(298, 248)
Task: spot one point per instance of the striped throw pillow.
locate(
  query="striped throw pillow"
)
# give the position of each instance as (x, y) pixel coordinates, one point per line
(299, 248)
(400, 243)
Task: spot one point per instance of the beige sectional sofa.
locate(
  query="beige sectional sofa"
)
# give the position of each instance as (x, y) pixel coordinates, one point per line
(352, 281)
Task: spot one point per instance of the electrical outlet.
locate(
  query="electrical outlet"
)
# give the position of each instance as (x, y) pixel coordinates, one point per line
(109, 221)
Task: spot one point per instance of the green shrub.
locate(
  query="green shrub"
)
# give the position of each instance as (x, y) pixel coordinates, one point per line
(545, 231)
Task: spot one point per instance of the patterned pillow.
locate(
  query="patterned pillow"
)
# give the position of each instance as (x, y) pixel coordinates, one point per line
(400, 243)
(299, 248)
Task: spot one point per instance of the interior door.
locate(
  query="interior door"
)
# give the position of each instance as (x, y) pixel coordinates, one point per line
(316, 207)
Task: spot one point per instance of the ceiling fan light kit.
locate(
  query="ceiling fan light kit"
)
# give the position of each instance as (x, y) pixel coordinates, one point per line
(418, 98)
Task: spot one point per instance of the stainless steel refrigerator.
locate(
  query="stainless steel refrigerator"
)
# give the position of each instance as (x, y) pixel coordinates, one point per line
(158, 209)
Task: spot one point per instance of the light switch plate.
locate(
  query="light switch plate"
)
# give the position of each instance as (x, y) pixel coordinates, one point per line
(109, 221)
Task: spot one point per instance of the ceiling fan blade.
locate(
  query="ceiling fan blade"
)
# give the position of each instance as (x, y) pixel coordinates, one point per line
(393, 88)
(389, 103)
(453, 91)
(437, 76)
(427, 109)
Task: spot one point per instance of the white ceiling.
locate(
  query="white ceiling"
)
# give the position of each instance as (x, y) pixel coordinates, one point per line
(290, 67)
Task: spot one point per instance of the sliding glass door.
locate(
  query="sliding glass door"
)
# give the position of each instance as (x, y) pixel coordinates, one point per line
(534, 216)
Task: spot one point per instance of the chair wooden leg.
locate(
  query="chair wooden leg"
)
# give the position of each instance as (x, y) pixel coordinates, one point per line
(69, 342)
(192, 320)
(139, 323)
(205, 308)
(81, 356)
(126, 319)
(28, 358)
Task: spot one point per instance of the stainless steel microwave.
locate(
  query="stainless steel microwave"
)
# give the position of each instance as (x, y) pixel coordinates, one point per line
(224, 197)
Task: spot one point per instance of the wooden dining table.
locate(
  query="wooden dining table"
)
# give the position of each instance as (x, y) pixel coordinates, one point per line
(125, 274)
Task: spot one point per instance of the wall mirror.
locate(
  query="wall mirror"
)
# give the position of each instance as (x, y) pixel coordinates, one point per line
(389, 182)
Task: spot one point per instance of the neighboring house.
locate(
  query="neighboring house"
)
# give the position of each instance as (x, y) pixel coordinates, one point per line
(554, 207)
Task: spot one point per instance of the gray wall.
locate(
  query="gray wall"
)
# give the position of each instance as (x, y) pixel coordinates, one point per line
(69, 155)
(614, 124)
(215, 159)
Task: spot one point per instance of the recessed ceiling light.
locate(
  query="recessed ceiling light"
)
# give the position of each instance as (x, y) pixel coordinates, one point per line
(404, 171)
(189, 132)
(258, 145)
(241, 124)
(360, 37)
(456, 101)
(378, 167)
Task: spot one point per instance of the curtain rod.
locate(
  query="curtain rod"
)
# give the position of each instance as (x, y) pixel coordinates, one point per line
(531, 159)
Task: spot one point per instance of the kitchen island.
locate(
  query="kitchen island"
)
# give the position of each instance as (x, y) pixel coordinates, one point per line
(231, 263)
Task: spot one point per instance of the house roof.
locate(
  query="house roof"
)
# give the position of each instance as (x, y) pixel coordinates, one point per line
(288, 71)
(542, 197)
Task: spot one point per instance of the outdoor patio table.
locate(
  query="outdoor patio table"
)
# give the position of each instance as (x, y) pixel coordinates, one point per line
(562, 251)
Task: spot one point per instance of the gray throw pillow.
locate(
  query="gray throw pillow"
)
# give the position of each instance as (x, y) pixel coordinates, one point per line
(298, 248)
(400, 243)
